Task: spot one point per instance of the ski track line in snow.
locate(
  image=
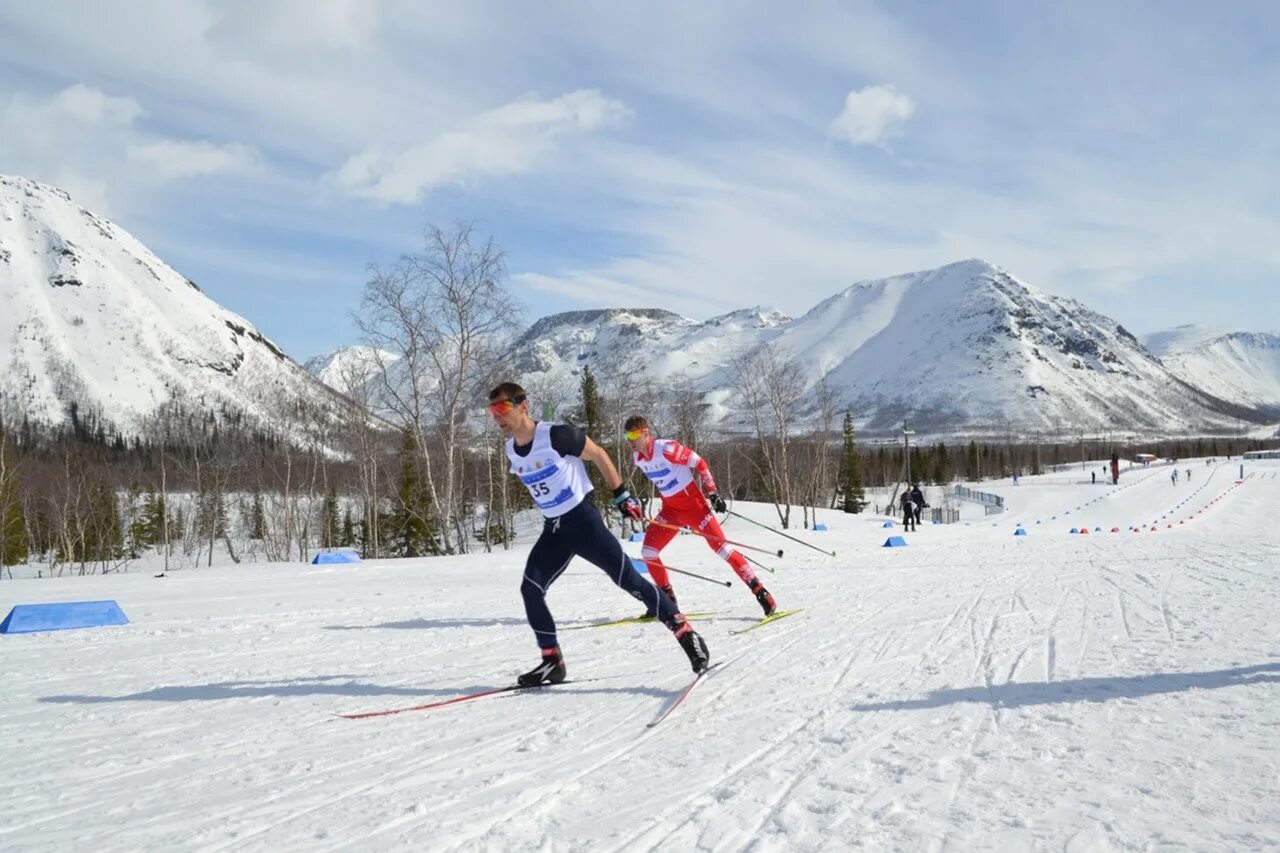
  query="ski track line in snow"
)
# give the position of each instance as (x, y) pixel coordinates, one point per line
(615, 747)
(802, 764)
(737, 769)
(633, 741)
(1050, 639)
(101, 785)
(794, 777)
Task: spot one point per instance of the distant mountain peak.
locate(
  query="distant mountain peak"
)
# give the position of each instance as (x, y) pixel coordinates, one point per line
(89, 315)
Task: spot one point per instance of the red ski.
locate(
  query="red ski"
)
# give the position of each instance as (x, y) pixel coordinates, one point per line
(684, 694)
(465, 697)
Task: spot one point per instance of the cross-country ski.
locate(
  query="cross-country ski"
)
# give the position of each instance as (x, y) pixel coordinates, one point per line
(678, 700)
(459, 699)
(772, 617)
(635, 620)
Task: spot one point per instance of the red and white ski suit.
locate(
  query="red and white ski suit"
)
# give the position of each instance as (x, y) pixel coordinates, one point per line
(671, 467)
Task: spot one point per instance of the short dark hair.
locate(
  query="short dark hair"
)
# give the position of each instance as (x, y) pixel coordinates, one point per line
(507, 390)
(635, 422)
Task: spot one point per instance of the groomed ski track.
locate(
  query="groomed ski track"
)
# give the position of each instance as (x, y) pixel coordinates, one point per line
(973, 690)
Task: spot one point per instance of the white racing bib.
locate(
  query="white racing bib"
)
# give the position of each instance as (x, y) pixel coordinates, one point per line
(556, 483)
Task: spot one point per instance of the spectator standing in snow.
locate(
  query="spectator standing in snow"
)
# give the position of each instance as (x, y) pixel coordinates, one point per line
(908, 511)
(917, 498)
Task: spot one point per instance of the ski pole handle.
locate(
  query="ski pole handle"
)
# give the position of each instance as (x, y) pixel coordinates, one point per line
(777, 553)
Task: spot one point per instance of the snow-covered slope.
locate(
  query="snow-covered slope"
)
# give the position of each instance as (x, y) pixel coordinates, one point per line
(974, 691)
(1180, 338)
(963, 346)
(1243, 367)
(346, 369)
(88, 314)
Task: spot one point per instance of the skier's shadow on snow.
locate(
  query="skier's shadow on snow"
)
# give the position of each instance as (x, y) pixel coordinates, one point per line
(429, 624)
(327, 685)
(1100, 689)
(435, 624)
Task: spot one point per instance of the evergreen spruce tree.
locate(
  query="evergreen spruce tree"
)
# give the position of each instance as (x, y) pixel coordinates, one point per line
(973, 470)
(593, 425)
(409, 529)
(347, 538)
(257, 518)
(329, 520)
(851, 471)
(941, 465)
(13, 527)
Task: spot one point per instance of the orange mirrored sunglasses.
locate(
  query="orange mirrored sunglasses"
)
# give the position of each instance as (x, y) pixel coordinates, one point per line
(501, 407)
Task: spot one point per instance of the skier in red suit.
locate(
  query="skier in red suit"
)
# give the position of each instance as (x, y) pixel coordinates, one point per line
(674, 470)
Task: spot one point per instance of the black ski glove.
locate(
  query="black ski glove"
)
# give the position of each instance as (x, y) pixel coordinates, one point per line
(626, 504)
(717, 502)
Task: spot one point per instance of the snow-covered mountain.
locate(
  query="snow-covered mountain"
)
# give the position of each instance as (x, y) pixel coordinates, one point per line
(1240, 366)
(964, 346)
(348, 368)
(88, 314)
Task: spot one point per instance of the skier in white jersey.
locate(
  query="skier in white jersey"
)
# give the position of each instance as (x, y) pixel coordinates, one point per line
(548, 460)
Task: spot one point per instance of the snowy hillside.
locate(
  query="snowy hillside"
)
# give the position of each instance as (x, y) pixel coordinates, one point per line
(1180, 338)
(975, 690)
(88, 314)
(1240, 366)
(348, 368)
(556, 347)
(963, 346)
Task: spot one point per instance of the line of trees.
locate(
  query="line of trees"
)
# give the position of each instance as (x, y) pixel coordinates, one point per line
(412, 466)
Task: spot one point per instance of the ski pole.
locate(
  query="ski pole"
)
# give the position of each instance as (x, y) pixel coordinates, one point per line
(780, 533)
(760, 564)
(777, 553)
(690, 574)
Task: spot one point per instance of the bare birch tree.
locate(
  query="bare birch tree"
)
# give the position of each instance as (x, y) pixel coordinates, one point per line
(769, 386)
(446, 317)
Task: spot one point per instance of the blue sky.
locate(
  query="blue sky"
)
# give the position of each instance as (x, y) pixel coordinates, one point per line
(697, 157)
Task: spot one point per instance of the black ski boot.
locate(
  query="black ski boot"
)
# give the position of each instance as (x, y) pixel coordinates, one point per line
(695, 647)
(671, 594)
(765, 598)
(550, 671)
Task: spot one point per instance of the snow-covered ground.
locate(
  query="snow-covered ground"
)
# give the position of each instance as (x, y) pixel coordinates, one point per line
(974, 689)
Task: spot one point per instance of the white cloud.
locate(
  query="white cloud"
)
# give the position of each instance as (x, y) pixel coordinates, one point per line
(91, 106)
(508, 140)
(295, 25)
(172, 159)
(93, 144)
(871, 115)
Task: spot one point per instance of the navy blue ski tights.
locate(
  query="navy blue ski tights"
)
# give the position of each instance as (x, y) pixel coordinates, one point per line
(581, 532)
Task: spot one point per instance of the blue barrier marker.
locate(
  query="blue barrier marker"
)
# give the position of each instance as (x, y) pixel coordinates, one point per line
(327, 558)
(895, 542)
(61, 616)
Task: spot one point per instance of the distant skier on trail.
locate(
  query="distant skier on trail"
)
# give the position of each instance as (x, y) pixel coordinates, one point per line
(908, 511)
(1174, 476)
(675, 471)
(548, 459)
(917, 498)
